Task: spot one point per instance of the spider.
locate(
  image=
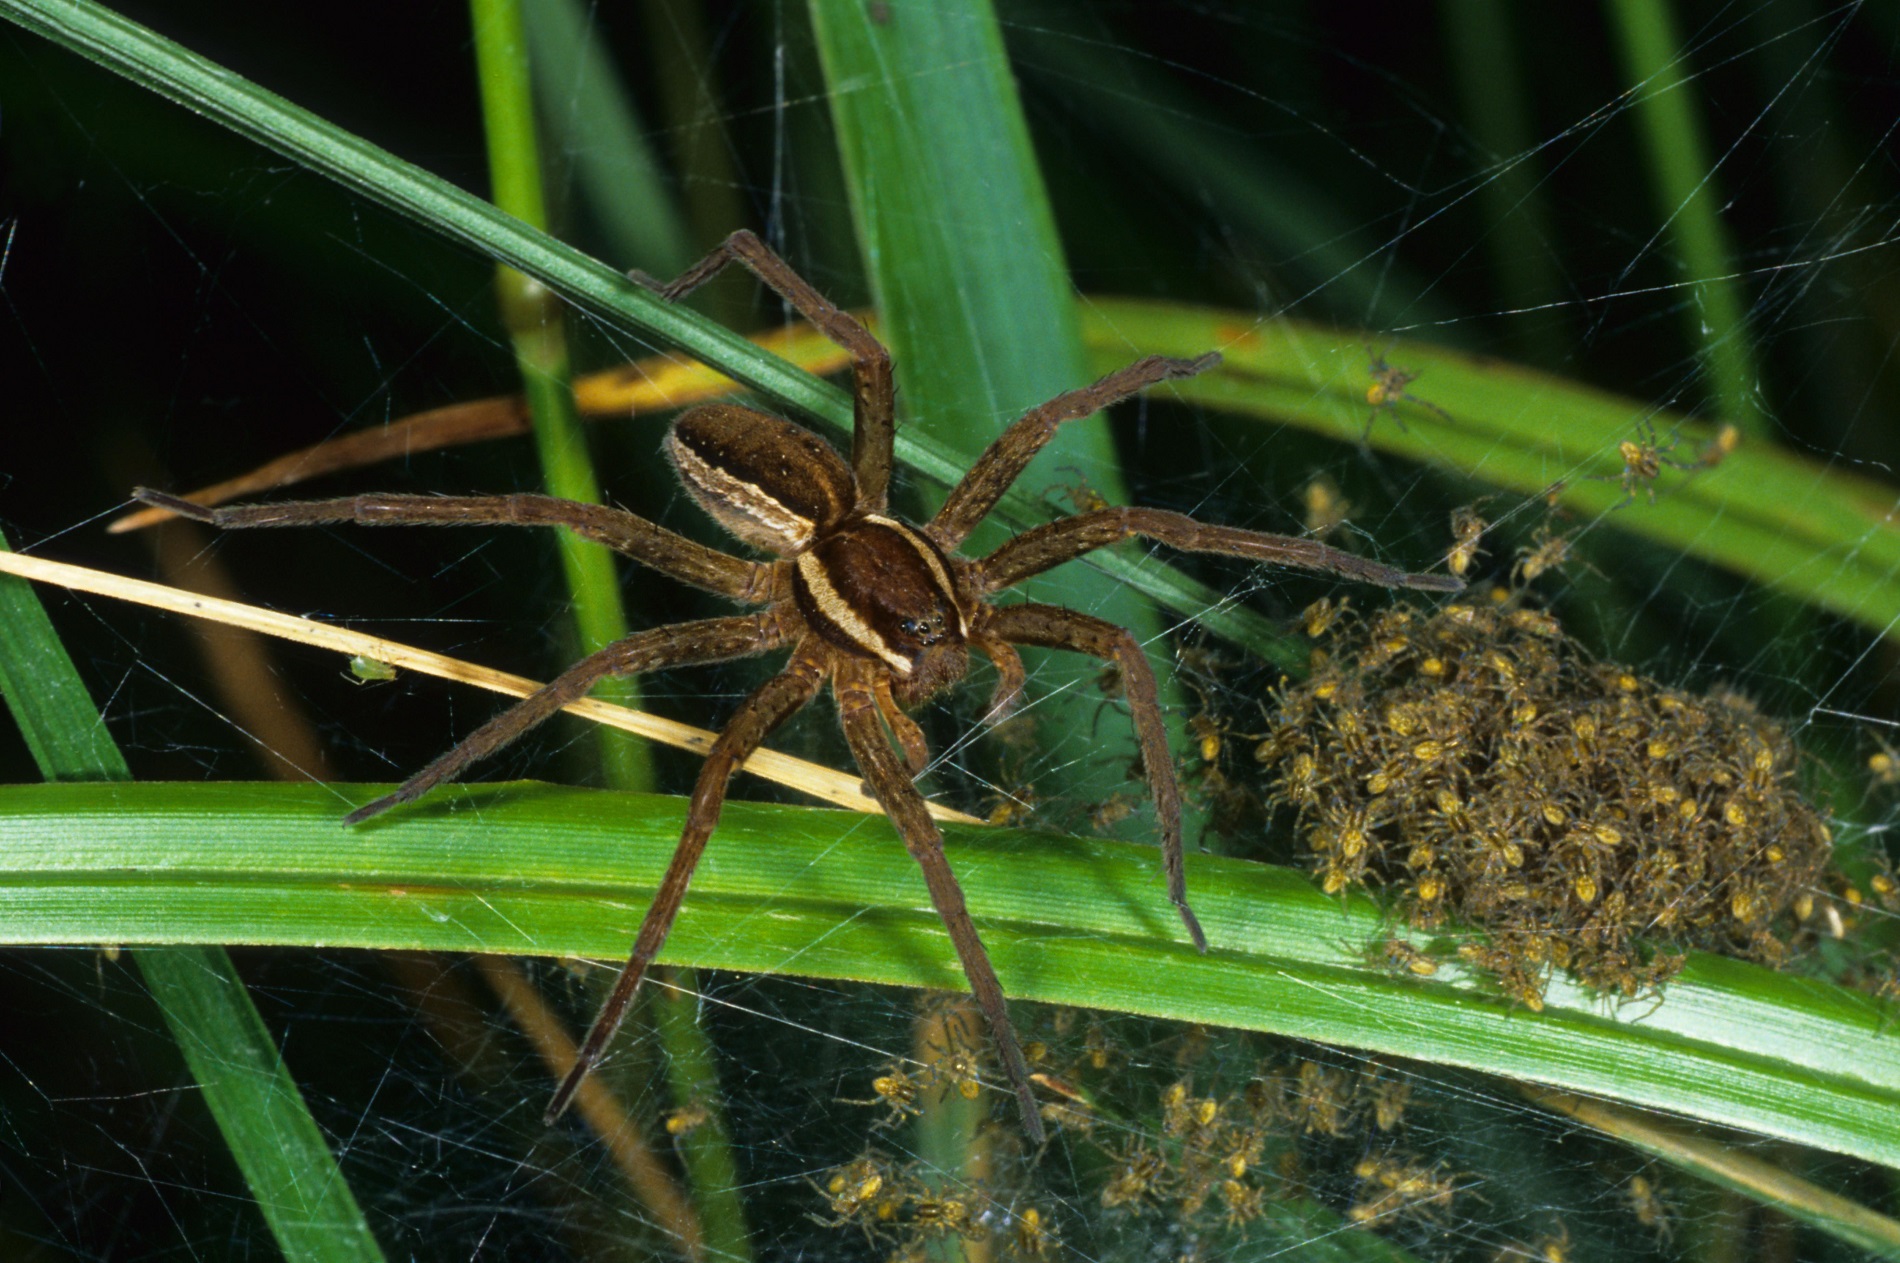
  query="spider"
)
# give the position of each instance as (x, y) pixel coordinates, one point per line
(1467, 528)
(1645, 458)
(1387, 388)
(884, 612)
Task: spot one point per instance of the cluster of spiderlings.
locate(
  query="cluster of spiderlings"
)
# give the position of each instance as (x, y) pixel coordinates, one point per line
(1206, 1163)
(897, 1205)
(1210, 1165)
(1200, 1157)
(894, 1206)
(1393, 1184)
(1365, 1106)
(1217, 1160)
(1320, 1099)
(1479, 767)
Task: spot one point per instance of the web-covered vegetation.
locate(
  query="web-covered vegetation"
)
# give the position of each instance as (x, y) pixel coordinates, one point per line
(1358, 215)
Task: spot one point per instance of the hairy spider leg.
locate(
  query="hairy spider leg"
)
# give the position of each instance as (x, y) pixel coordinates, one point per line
(1052, 627)
(770, 705)
(971, 500)
(859, 712)
(909, 735)
(680, 644)
(653, 546)
(1065, 539)
(1010, 676)
(873, 397)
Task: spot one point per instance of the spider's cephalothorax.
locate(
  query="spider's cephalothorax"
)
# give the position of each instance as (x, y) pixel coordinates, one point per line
(884, 612)
(861, 580)
(880, 587)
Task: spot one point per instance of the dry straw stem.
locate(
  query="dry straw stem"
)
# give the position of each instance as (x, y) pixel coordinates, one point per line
(1722, 1164)
(821, 783)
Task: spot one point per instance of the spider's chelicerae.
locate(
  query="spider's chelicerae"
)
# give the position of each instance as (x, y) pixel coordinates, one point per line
(884, 612)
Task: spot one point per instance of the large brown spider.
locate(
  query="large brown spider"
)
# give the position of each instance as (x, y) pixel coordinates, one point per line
(883, 611)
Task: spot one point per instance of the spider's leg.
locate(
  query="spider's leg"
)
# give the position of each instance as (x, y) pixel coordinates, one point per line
(858, 711)
(1009, 677)
(970, 501)
(651, 545)
(873, 397)
(1426, 403)
(769, 706)
(710, 640)
(1052, 627)
(1053, 543)
(909, 736)
(1372, 419)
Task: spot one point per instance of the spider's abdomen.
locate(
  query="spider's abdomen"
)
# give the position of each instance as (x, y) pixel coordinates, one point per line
(768, 481)
(878, 587)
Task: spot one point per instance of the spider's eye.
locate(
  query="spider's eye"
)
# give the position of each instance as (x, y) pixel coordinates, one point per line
(925, 631)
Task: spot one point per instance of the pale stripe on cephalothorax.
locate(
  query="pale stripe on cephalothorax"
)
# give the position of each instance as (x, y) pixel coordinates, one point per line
(846, 619)
(747, 497)
(933, 562)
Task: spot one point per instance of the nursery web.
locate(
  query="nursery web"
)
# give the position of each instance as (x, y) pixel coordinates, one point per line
(1384, 197)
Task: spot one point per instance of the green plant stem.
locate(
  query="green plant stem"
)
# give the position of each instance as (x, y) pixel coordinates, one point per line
(1487, 63)
(692, 1078)
(592, 121)
(1689, 201)
(533, 317)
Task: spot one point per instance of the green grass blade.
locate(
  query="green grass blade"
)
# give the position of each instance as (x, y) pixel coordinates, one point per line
(523, 868)
(972, 291)
(1688, 198)
(592, 123)
(1793, 525)
(1488, 66)
(257, 1104)
(284, 1157)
